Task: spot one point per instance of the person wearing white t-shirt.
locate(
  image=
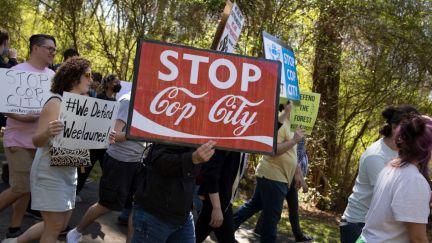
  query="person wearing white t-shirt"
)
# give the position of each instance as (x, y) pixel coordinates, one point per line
(400, 204)
(372, 161)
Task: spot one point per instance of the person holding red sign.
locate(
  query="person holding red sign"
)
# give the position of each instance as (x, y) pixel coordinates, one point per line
(162, 212)
(274, 177)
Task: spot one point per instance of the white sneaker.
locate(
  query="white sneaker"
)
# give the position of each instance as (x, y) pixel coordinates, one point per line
(10, 240)
(73, 236)
(78, 199)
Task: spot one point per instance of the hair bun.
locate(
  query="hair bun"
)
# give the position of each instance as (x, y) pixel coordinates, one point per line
(388, 113)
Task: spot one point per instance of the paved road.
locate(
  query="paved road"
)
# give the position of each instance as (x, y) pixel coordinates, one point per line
(105, 229)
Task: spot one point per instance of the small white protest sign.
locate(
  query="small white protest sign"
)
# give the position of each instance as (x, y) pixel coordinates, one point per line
(23, 92)
(232, 30)
(88, 122)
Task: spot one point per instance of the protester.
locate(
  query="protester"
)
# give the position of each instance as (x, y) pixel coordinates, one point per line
(162, 212)
(97, 80)
(53, 187)
(5, 51)
(372, 161)
(69, 53)
(292, 199)
(400, 204)
(119, 176)
(17, 139)
(110, 87)
(274, 176)
(216, 189)
(11, 55)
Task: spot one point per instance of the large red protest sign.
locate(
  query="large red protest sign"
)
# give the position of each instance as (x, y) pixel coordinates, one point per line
(188, 96)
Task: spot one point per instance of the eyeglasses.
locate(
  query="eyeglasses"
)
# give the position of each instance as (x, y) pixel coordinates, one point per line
(49, 48)
(88, 75)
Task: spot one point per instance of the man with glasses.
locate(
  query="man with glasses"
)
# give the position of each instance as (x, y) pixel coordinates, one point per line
(17, 140)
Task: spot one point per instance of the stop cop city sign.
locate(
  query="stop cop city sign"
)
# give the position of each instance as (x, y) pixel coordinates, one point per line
(187, 96)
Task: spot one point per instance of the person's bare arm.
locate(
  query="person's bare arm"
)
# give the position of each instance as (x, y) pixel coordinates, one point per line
(48, 125)
(417, 232)
(287, 145)
(217, 215)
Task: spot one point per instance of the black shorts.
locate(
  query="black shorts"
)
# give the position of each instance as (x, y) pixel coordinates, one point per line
(119, 181)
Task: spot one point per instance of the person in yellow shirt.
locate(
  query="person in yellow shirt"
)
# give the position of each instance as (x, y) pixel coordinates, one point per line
(274, 175)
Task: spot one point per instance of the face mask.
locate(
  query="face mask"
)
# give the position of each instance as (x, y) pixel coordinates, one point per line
(117, 88)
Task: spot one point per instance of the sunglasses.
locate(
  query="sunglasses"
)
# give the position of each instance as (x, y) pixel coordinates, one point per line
(88, 75)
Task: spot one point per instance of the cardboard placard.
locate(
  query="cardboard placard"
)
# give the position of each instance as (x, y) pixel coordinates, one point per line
(88, 122)
(305, 114)
(185, 95)
(229, 29)
(275, 49)
(23, 92)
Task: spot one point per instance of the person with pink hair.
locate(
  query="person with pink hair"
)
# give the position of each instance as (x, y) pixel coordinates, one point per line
(400, 204)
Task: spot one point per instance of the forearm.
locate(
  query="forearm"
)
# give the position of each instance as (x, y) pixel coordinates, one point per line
(215, 200)
(41, 138)
(285, 146)
(298, 171)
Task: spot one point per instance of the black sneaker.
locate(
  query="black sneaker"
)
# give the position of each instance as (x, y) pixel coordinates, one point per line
(304, 238)
(14, 234)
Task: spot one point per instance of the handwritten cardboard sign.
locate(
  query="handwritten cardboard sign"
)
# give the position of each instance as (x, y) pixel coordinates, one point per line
(88, 122)
(23, 92)
(189, 96)
(305, 114)
(229, 28)
(275, 49)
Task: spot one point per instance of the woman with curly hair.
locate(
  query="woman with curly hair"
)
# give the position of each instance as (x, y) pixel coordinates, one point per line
(400, 204)
(53, 187)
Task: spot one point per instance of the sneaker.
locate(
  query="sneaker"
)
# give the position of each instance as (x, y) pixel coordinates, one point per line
(10, 240)
(304, 238)
(73, 236)
(14, 235)
(78, 199)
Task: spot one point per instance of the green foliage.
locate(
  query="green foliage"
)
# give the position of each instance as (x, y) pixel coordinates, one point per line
(383, 57)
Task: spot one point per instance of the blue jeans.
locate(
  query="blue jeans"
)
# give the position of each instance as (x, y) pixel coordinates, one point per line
(269, 196)
(350, 232)
(150, 229)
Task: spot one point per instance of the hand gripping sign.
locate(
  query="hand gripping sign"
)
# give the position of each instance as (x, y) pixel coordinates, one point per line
(184, 95)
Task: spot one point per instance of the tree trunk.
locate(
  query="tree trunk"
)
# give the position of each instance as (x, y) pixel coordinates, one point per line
(326, 79)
